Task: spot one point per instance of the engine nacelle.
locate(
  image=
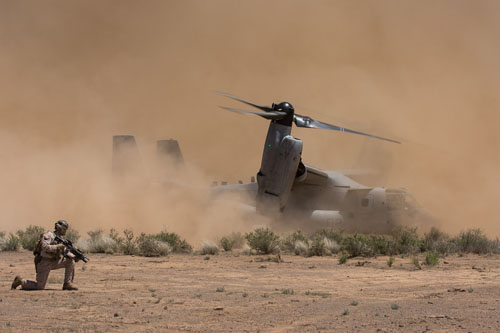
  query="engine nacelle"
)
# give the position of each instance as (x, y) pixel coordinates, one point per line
(327, 218)
(276, 183)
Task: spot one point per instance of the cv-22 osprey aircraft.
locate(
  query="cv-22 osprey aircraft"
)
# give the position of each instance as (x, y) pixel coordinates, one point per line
(289, 190)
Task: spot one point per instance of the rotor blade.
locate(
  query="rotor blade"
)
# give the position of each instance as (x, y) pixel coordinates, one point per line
(304, 121)
(267, 115)
(263, 108)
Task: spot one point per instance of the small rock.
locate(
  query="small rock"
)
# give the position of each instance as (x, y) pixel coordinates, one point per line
(11, 265)
(218, 308)
(116, 315)
(134, 302)
(262, 266)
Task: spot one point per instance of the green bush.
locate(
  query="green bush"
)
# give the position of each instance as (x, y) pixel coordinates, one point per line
(406, 240)
(73, 235)
(473, 241)
(431, 258)
(331, 234)
(174, 241)
(128, 246)
(343, 259)
(357, 245)
(150, 246)
(436, 240)
(233, 240)
(263, 240)
(317, 247)
(209, 247)
(380, 245)
(100, 243)
(30, 237)
(12, 243)
(2, 240)
(288, 243)
(390, 261)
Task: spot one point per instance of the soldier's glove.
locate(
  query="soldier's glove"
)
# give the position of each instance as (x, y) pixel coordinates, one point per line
(60, 247)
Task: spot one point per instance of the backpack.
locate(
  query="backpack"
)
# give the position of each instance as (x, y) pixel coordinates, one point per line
(38, 247)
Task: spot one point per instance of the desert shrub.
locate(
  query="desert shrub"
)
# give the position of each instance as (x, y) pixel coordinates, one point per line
(301, 247)
(331, 234)
(113, 234)
(317, 247)
(233, 240)
(416, 263)
(174, 241)
(128, 245)
(263, 240)
(390, 261)
(495, 246)
(473, 241)
(150, 246)
(436, 240)
(343, 259)
(2, 240)
(12, 243)
(73, 235)
(100, 243)
(357, 245)
(209, 247)
(431, 258)
(405, 240)
(30, 237)
(380, 245)
(288, 243)
(331, 245)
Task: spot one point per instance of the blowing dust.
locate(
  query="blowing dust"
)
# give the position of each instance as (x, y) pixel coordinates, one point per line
(73, 74)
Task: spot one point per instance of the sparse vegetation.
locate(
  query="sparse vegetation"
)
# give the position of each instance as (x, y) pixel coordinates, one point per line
(73, 235)
(220, 289)
(287, 291)
(289, 242)
(416, 263)
(209, 247)
(431, 258)
(357, 245)
(473, 241)
(29, 237)
(98, 243)
(390, 261)
(175, 242)
(354, 303)
(263, 241)
(317, 293)
(406, 240)
(317, 247)
(150, 246)
(10, 243)
(128, 246)
(394, 306)
(245, 295)
(345, 313)
(343, 259)
(232, 241)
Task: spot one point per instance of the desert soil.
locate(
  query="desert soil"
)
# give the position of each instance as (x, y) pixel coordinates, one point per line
(236, 292)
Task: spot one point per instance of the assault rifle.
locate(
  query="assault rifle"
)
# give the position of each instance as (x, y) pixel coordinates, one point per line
(70, 248)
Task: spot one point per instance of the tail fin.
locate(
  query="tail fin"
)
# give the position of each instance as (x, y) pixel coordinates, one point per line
(127, 159)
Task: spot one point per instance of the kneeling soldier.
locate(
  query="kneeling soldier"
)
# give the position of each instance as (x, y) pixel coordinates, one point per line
(48, 256)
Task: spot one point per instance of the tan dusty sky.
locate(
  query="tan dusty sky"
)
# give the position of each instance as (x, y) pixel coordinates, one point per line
(72, 74)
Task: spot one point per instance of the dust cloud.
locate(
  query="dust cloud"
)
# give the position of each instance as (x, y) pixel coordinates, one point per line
(73, 74)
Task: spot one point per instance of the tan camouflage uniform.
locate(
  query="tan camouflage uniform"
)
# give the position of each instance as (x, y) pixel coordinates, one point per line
(51, 259)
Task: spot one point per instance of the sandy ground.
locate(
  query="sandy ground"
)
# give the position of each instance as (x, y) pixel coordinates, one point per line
(236, 292)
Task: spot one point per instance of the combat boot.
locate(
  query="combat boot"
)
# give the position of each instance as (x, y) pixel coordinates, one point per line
(17, 282)
(69, 286)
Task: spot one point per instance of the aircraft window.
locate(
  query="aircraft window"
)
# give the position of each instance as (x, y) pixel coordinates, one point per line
(365, 202)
